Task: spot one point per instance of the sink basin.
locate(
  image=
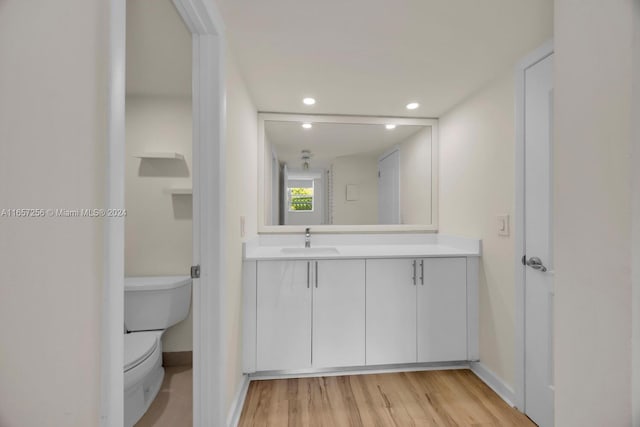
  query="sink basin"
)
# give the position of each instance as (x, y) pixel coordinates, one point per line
(310, 251)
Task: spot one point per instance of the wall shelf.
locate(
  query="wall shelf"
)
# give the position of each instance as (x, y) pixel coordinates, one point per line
(179, 190)
(160, 155)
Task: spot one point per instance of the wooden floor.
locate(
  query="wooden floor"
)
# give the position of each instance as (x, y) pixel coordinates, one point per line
(173, 405)
(431, 398)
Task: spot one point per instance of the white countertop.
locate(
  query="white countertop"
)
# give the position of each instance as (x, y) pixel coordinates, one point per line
(439, 246)
(353, 251)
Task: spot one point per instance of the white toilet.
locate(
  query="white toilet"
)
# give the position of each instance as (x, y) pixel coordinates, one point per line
(151, 305)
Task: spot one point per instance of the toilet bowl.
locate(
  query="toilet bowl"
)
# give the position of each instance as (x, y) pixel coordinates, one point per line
(152, 304)
(143, 373)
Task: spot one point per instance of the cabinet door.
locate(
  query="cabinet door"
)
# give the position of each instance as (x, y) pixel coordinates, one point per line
(442, 310)
(283, 315)
(391, 312)
(338, 313)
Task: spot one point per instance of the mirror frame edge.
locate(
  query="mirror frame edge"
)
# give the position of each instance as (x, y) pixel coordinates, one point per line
(263, 228)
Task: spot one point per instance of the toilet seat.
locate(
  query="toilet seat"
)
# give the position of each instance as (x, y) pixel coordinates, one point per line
(138, 346)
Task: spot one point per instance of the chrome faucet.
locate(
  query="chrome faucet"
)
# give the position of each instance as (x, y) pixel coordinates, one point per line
(307, 237)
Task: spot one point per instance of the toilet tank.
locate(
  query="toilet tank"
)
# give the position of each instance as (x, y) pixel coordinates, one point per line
(155, 302)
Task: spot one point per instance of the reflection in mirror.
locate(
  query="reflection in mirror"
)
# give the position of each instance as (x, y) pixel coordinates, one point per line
(347, 174)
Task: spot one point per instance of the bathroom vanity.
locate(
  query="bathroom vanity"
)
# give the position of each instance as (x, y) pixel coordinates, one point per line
(355, 301)
(377, 288)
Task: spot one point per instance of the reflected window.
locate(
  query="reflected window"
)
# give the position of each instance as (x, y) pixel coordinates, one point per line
(301, 196)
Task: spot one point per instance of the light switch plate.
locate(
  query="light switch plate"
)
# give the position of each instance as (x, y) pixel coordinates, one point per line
(242, 226)
(503, 225)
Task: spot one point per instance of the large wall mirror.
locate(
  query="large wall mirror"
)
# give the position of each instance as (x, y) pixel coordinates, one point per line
(347, 173)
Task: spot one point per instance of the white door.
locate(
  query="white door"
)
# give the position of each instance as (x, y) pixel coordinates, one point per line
(442, 309)
(389, 188)
(275, 190)
(539, 292)
(283, 315)
(391, 311)
(285, 196)
(338, 313)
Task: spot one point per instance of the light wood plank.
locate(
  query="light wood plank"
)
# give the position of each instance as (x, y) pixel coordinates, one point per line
(430, 398)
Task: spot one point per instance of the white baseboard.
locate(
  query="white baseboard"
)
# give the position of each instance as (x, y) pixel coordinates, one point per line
(358, 370)
(238, 402)
(494, 382)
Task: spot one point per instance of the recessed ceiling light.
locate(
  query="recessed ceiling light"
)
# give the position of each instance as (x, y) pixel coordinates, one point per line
(412, 105)
(390, 126)
(306, 125)
(309, 101)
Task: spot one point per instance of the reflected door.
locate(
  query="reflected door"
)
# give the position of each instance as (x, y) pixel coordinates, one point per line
(275, 190)
(284, 209)
(389, 188)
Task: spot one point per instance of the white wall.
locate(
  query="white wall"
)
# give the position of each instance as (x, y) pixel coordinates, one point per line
(415, 178)
(361, 170)
(158, 227)
(476, 185)
(592, 213)
(242, 196)
(53, 86)
(635, 188)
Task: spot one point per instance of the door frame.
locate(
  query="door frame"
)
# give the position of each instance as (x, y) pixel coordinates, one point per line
(519, 218)
(208, 63)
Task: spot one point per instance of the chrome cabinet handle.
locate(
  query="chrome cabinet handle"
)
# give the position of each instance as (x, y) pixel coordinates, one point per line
(316, 274)
(422, 272)
(414, 272)
(535, 263)
(308, 273)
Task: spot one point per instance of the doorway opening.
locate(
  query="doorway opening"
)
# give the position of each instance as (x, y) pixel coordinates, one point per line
(208, 182)
(158, 226)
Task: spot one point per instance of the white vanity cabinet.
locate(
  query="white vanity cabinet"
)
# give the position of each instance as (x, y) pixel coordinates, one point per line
(301, 315)
(310, 314)
(441, 309)
(338, 313)
(391, 312)
(283, 315)
(416, 310)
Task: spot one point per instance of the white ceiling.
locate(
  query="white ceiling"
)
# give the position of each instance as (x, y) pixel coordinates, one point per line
(374, 56)
(327, 141)
(158, 49)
